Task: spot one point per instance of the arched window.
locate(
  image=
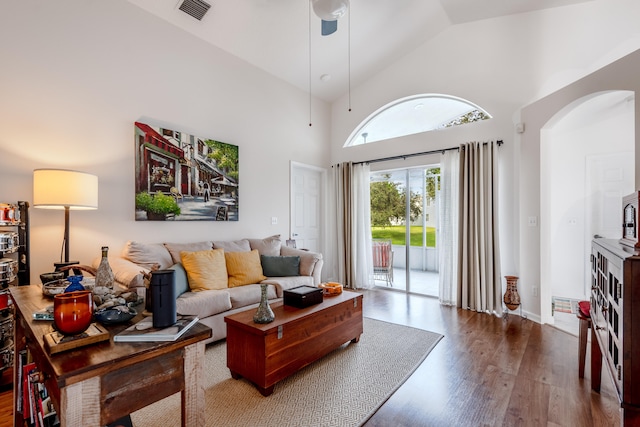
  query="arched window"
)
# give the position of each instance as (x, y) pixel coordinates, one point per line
(416, 114)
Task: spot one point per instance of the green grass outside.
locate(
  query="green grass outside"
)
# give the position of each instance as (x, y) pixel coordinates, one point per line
(397, 235)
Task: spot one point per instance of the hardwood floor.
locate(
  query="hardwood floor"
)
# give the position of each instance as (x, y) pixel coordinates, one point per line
(486, 371)
(6, 407)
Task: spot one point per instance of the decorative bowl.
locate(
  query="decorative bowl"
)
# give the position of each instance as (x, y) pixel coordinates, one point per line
(54, 287)
(57, 287)
(114, 315)
(331, 288)
(73, 312)
(50, 277)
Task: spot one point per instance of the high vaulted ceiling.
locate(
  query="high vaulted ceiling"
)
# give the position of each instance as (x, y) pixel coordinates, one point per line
(283, 37)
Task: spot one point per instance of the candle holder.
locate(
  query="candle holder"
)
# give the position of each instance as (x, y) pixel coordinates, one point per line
(73, 312)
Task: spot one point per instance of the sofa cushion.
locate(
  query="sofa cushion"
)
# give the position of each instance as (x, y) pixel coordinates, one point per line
(249, 294)
(308, 260)
(203, 304)
(147, 254)
(233, 246)
(181, 283)
(175, 248)
(267, 246)
(283, 283)
(205, 269)
(244, 268)
(280, 266)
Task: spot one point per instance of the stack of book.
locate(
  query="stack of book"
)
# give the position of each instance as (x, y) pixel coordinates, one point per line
(143, 331)
(35, 404)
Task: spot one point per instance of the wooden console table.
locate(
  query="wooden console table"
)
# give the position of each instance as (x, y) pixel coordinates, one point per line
(101, 383)
(267, 353)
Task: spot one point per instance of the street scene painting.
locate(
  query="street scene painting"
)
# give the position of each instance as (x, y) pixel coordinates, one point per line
(182, 177)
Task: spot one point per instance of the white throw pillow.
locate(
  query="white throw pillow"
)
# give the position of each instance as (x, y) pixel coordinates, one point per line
(147, 254)
(269, 246)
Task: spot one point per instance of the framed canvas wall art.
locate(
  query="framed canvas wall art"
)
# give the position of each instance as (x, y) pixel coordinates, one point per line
(183, 177)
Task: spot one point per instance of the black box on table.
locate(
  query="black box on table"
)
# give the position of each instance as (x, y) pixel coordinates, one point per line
(302, 296)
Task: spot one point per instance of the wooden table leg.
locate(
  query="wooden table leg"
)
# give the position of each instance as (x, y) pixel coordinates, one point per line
(596, 360)
(582, 343)
(193, 394)
(80, 404)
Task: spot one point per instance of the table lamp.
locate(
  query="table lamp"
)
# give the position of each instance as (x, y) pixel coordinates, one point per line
(64, 189)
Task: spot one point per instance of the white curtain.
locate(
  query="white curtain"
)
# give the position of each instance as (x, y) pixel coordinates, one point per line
(448, 227)
(350, 217)
(479, 279)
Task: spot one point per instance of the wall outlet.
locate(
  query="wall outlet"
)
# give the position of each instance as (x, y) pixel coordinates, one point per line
(274, 220)
(535, 291)
(533, 221)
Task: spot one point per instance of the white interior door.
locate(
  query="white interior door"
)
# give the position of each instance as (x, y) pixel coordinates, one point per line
(611, 177)
(307, 188)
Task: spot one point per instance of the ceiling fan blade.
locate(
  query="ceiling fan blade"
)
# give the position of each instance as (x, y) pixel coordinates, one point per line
(329, 27)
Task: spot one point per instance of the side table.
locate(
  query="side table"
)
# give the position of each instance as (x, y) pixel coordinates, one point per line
(100, 383)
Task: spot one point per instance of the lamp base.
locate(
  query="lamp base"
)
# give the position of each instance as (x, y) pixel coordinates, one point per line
(59, 265)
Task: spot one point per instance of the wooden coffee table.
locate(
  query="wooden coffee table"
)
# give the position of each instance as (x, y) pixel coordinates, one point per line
(266, 354)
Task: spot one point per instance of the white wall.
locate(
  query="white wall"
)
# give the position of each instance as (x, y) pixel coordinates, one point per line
(76, 75)
(572, 203)
(500, 64)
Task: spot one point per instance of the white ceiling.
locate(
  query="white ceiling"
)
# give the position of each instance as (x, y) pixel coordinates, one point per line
(274, 35)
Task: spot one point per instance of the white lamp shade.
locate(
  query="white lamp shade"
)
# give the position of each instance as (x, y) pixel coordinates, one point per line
(58, 188)
(330, 10)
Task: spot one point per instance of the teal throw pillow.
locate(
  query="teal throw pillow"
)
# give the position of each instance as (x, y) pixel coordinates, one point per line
(181, 280)
(280, 266)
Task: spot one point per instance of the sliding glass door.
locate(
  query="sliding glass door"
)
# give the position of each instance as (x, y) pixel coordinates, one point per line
(404, 212)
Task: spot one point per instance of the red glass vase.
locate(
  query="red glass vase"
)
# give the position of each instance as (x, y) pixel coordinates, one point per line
(73, 312)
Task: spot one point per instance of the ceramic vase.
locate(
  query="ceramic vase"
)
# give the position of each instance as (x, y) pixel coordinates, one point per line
(75, 284)
(264, 314)
(511, 296)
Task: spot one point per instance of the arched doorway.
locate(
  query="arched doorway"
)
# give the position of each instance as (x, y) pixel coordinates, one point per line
(586, 166)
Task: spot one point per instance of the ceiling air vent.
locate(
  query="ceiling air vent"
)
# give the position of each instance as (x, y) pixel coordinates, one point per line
(195, 8)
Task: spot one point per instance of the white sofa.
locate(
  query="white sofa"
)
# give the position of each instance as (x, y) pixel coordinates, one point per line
(211, 305)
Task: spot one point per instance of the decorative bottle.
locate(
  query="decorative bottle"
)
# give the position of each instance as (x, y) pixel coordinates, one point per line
(104, 275)
(264, 313)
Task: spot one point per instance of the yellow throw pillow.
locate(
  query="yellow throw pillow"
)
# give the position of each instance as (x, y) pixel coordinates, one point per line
(205, 269)
(244, 268)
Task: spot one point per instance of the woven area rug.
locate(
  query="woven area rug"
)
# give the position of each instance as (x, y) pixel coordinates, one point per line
(343, 388)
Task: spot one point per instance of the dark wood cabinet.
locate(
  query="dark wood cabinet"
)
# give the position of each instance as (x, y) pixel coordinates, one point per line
(615, 316)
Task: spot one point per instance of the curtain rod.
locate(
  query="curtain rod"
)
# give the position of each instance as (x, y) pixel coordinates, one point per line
(422, 153)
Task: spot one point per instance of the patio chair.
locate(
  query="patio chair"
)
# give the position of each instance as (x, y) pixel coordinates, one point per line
(383, 260)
